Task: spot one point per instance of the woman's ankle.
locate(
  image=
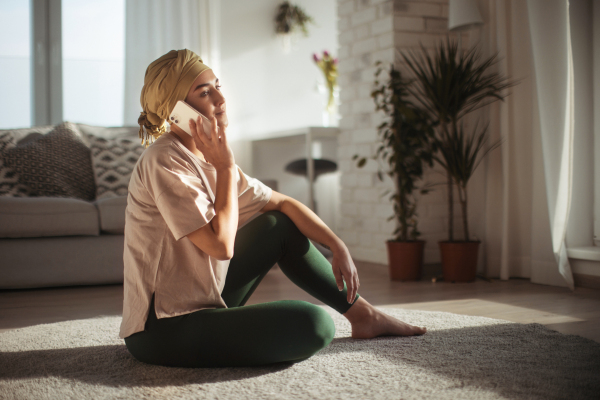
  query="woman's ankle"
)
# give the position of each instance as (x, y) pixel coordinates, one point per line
(360, 311)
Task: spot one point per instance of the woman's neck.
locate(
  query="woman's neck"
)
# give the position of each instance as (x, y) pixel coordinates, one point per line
(189, 143)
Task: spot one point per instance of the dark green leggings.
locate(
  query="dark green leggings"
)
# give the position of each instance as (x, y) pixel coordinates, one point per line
(287, 330)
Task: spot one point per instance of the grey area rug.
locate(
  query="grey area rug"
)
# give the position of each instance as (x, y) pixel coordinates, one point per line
(461, 357)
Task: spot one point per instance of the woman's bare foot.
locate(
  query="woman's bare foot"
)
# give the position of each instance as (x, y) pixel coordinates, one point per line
(369, 322)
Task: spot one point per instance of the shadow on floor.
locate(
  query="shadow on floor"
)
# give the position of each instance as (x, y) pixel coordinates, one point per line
(113, 365)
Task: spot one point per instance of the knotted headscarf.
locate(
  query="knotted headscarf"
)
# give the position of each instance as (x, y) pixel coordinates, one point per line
(168, 79)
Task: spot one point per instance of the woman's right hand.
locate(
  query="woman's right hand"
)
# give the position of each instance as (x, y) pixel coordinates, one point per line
(214, 145)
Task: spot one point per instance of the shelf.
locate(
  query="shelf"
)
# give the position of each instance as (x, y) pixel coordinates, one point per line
(316, 132)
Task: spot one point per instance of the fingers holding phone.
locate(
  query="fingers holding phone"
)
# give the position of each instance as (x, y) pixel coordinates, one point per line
(212, 142)
(205, 128)
(208, 136)
(200, 129)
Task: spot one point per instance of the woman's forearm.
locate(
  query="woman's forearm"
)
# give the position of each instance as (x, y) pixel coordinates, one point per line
(311, 225)
(225, 221)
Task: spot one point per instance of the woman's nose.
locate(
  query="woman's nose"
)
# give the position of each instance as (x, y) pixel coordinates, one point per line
(219, 99)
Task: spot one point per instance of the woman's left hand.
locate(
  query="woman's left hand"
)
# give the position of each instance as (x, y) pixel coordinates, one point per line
(345, 270)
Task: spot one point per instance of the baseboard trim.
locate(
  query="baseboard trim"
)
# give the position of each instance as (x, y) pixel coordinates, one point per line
(587, 281)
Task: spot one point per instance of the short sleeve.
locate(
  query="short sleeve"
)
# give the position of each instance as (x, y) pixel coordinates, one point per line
(253, 195)
(180, 195)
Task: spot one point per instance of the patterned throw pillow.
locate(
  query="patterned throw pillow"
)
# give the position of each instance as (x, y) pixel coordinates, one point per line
(9, 180)
(113, 161)
(6, 141)
(57, 164)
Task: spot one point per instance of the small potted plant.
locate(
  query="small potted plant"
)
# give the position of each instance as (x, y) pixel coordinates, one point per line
(329, 68)
(407, 146)
(450, 85)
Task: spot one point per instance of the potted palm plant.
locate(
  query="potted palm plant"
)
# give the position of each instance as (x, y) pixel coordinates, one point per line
(459, 156)
(449, 86)
(407, 146)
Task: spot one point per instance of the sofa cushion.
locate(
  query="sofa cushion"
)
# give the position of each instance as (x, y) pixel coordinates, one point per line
(112, 214)
(47, 216)
(113, 161)
(57, 164)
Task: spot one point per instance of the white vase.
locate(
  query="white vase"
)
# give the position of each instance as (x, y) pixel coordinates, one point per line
(286, 42)
(330, 115)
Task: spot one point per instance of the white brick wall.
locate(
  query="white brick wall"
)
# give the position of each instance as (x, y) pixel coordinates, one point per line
(372, 30)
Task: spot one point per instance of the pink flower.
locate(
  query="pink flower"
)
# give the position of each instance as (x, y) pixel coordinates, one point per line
(315, 57)
(325, 53)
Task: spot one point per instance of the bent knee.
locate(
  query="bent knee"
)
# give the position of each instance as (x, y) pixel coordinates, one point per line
(279, 224)
(319, 328)
(279, 219)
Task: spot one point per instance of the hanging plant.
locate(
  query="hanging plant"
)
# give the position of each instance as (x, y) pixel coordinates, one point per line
(291, 19)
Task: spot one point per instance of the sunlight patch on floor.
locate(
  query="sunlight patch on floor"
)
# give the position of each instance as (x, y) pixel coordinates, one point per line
(490, 309)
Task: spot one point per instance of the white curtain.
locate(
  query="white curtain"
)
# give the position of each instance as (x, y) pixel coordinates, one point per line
(155, 27)
(529, 175)
(553, 62)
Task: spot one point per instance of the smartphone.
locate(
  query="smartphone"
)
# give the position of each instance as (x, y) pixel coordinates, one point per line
(181, 115)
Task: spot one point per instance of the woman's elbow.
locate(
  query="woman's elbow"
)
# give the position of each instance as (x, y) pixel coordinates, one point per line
(206, 240)
(221, 253)
(226, 254)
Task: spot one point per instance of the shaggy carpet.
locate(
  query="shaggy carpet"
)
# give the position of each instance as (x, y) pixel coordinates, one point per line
(461, 357)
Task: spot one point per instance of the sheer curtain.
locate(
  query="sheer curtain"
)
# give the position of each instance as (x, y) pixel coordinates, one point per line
(553, 62)
(155, 27)
(525, 186)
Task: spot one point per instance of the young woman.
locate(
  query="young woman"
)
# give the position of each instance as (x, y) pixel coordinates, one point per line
(190, 269)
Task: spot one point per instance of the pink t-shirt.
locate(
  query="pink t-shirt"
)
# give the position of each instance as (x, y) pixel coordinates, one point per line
(172, 194)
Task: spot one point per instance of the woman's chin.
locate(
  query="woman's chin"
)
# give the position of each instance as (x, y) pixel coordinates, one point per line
(222, 120)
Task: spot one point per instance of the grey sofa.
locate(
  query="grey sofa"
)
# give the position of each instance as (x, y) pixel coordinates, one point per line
(53, 241)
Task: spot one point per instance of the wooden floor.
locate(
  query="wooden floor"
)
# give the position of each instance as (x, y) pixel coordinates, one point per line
(516, 300)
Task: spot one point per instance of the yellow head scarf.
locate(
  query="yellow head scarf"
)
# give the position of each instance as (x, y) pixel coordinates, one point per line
(168, 80)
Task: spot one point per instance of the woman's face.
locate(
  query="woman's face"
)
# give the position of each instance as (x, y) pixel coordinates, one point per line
(206, 97)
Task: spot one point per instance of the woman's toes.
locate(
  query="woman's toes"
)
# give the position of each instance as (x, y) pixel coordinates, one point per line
(420, 330)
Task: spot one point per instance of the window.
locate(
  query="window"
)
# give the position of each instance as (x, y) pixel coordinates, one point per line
(15, 64)
(93, 61)
(92, 44)
(584, 218)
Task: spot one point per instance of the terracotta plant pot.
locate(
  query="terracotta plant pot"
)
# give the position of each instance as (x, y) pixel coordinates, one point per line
(405, 260)
(459, 261)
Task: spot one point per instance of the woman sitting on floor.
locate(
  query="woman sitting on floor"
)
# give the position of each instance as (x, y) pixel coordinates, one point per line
(189, 271)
